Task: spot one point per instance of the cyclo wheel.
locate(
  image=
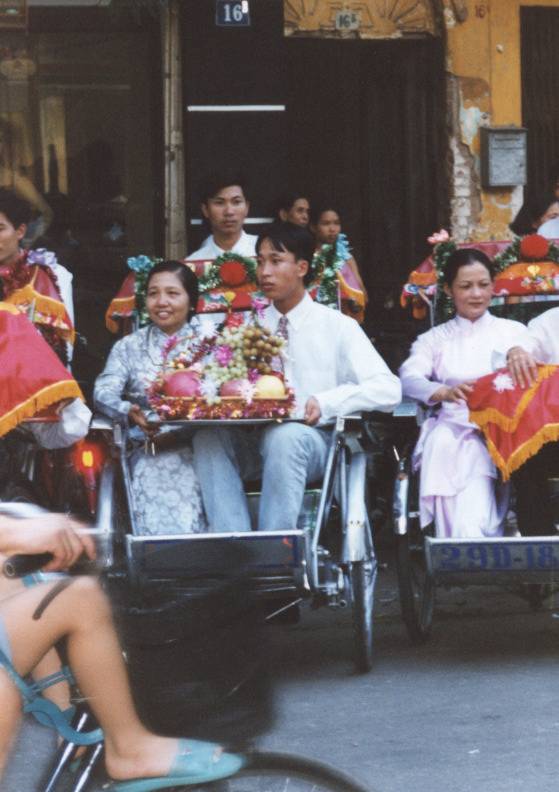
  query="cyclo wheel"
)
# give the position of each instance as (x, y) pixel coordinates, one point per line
(417, 591)
(363, 575)
(276, 772)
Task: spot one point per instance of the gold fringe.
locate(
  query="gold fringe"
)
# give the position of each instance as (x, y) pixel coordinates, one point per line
(42, 304)
(4, 306)
(117, 305)
(547, 434)
(510, 423)
(67, 389)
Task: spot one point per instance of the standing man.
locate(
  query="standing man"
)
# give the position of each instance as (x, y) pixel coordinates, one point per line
(225, 207)
(294, 208)
(534, 508)
(334, 371)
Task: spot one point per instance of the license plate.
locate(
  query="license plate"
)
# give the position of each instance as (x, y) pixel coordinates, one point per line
(502, 555)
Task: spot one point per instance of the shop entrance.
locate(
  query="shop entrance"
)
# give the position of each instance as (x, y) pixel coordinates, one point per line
(363, 126)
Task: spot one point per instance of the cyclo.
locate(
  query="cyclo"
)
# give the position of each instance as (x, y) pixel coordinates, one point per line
(522, 290)
(328, 559)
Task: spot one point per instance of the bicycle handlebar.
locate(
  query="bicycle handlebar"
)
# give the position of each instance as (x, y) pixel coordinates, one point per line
(21, 565)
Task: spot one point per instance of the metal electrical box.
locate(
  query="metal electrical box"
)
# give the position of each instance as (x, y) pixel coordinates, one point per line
(503, 156)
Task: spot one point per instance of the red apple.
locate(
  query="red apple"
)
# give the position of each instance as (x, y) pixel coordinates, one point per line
(233, 387)
(183, 383)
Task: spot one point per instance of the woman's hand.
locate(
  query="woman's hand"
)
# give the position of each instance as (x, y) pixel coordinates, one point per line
(456, 393)
(522, 366)
(137, 416)
(58, 534)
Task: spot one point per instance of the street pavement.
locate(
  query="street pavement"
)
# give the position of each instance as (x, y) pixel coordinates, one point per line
(472, 710)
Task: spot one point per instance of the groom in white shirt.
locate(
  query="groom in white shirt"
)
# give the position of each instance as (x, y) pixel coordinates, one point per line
(334, 370)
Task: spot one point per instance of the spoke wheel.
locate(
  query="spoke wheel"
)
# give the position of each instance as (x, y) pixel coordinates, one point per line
(363, 577)
(417, 591)
(271, 772)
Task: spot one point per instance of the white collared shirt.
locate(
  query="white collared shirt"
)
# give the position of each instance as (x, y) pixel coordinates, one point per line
(544, 337)
(330, 357)
(245, 246)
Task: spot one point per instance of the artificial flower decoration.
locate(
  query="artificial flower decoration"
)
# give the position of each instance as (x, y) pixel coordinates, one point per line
(233, 273)
(534, 247)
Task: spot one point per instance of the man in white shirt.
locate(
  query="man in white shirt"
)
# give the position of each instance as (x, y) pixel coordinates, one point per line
(225, 207)
(534, 507)
(333, 369)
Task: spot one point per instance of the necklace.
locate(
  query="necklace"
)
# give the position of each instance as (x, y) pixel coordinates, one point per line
(172, 342)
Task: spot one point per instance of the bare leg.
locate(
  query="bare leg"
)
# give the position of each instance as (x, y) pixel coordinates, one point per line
(59, 694)
(82, 614)
(9, 717)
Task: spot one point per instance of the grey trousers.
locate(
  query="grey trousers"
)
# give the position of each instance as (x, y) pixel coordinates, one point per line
(286, 456)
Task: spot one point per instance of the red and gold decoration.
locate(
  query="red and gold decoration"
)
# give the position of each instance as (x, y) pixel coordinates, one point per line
(228, 283)
(527, 266)
(31, 286)
(235, 371)
(33, 378)
(516, 422)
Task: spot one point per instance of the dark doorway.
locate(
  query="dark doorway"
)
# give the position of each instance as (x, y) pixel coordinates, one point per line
(540, 96)
(364, 127)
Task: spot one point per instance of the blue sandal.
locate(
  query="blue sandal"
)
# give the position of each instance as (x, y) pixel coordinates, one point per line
(196, 762)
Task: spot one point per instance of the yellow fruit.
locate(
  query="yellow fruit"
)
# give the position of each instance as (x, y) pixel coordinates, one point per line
(269, 387)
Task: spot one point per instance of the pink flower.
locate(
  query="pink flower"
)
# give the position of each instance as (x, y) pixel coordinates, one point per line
(259, 303)
(223, 355)
(439, 236)
(169, 344)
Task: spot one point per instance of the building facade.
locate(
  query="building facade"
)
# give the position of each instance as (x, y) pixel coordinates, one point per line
(113, 112)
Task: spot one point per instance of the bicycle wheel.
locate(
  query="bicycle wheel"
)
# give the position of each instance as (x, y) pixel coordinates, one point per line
(417, 591)
(276, 772)
(363, 577)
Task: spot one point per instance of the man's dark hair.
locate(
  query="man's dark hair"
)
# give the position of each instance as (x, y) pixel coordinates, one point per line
(219, 181)
(294, 239)
(287, 199)
(14, 208)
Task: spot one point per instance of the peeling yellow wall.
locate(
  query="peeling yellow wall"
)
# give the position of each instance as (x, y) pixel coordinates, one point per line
(483, 62)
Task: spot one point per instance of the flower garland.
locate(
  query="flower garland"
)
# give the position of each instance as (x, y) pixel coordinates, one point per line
(529, 248)
(229, 269)
(325, 266)
(141, 266)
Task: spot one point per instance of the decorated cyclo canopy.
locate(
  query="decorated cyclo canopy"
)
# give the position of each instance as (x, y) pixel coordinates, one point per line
(528, 266)
(33, 378)
(228, 283)
(30, 285)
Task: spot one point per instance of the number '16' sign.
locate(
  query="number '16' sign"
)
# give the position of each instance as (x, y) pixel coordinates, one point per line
(234, 13)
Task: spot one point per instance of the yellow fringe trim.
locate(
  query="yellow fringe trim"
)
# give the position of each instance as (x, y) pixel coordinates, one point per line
(42, 304)
(4, 306)
(547, 434)
(506, 422)
(118, 304)
(39, 401)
